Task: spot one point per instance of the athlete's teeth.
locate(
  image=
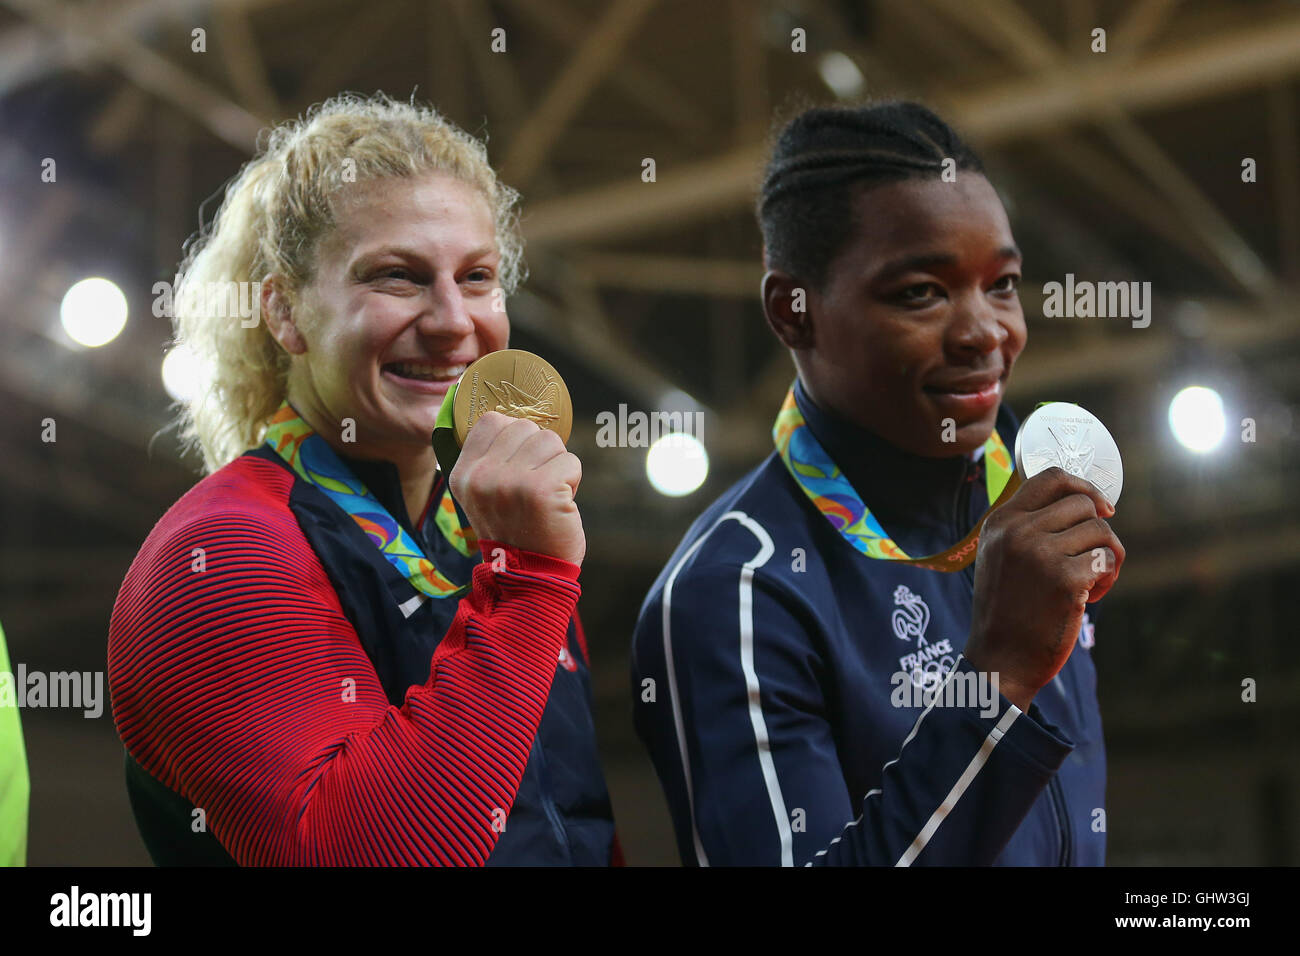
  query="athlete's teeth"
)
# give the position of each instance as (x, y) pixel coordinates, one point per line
(428, 373)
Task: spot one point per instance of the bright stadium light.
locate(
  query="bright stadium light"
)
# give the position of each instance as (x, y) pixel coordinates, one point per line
(1196, 418)
(676, 464)
(93, 312)
(841, 74)
(180, 373)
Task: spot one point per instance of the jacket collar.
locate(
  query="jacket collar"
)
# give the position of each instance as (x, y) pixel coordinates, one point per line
(902, 490)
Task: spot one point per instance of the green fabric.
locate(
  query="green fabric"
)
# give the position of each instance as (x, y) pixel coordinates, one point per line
(445, 447)
(15, 786)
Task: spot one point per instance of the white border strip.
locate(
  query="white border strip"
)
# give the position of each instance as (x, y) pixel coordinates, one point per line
(953, 795)
(950, 801)
(411, 605)
(746, 623)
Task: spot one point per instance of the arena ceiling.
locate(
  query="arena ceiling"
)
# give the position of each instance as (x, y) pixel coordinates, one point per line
(1116, 166)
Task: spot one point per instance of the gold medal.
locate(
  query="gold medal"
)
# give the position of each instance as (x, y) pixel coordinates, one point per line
(515, 383)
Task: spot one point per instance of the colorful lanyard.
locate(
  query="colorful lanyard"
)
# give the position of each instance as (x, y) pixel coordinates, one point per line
(830, 491)
(318, 464)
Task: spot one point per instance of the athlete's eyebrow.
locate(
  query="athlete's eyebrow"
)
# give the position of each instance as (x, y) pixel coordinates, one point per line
(928, 260)
(389, 250)
(406, 252)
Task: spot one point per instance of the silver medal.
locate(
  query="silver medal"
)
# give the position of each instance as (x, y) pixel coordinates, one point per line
(1074, 440)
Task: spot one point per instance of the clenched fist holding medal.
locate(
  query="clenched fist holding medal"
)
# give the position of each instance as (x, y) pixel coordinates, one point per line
(501, 436)
(1047, 550)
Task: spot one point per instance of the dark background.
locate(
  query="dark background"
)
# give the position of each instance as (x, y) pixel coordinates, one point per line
(1114, 166)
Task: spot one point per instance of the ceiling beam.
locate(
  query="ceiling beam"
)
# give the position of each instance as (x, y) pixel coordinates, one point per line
(1284, 177)
(448, 65)
(647, 87)
(748, 75)
(595, 58)
(54, 210)
(237, 45)
(580, 325)
(112, 127)
(501, 81)
(1005, 25)
(501, 85)
(591, 342)
(1193, 207)
(112, 46)
(679, 194)
(992, 115)
(921, 29)
(1229, 327)
(725, 278)
(1169, 76)
(30, 53)
(354, 42)
(1140, 24)
(1130, 195)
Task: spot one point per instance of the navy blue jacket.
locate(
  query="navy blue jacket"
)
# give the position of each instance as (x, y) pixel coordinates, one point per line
(763, 668)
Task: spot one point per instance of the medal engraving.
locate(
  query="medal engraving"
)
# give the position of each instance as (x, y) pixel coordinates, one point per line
(515, 383)
(515, 402)
(1068, 437)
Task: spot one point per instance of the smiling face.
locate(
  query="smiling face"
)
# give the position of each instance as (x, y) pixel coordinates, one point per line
(918, 320)
(405, 294)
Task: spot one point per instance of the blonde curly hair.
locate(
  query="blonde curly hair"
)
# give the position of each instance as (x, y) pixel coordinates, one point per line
(272, 219)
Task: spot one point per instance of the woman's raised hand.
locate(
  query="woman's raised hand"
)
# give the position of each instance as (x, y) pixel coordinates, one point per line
(1043, 556)
(516, 483)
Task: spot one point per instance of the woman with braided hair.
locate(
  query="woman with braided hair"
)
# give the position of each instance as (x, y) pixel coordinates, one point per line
(837, 679)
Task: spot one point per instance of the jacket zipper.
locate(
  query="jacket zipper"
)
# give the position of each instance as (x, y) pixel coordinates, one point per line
(1062, 821)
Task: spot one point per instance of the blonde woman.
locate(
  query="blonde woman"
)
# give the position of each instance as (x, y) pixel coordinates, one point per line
(310, 662)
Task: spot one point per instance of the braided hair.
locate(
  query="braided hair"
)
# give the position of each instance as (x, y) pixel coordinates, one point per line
(825, 156)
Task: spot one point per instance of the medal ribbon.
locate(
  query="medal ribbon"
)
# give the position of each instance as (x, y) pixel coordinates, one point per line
(829, 490)
(316, 463)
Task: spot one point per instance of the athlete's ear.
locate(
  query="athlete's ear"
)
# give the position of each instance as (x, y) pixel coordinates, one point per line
(785, 306)
(278, 310)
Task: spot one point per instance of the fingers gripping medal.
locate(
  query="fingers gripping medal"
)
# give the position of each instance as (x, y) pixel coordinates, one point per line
(512, 382)
(1074, 440)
